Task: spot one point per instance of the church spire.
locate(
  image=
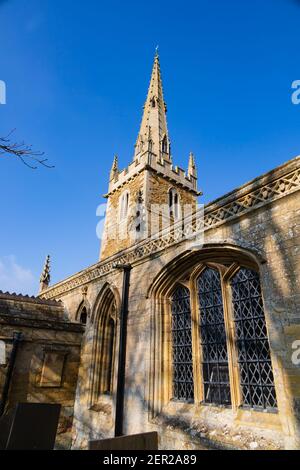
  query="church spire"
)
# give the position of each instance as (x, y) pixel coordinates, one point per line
(45, 276)
(153, 135)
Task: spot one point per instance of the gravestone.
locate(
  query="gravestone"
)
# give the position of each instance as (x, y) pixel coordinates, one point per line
(143, 441)
(29, 426)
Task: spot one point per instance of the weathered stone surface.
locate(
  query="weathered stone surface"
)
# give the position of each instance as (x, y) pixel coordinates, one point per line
(45, 331)
(255, 226)
(266, 232)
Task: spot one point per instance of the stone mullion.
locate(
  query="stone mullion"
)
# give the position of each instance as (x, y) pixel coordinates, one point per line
(233, 366)
(199, 378)
(168, 352)
(196, 344)
(155, 381)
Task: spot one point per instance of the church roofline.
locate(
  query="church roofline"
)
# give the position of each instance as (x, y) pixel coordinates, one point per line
(26, 298)
(276, 184)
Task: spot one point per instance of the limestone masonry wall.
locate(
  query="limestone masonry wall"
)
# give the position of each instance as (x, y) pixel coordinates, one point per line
(48, 356)
(266, 235)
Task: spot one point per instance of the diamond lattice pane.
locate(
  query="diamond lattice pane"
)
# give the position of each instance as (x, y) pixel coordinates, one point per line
(183, 380)
(257, 381)
(213, 338)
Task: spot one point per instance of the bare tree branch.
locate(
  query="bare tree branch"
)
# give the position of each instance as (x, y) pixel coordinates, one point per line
(23, 152)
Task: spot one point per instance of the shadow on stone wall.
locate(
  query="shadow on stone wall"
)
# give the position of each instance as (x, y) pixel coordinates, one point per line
(276, 236)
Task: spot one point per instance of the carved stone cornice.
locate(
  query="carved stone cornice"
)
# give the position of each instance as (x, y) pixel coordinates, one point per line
(259, 192)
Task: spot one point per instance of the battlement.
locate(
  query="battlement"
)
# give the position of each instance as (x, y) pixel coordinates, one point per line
(149, 161)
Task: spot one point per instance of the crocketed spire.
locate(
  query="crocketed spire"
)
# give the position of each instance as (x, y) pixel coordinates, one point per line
(45, 276)
(153, 134)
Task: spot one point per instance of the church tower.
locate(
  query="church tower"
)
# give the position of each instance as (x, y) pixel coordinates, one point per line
(151, 184)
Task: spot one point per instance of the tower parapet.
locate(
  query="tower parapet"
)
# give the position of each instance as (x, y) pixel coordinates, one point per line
(164, 168)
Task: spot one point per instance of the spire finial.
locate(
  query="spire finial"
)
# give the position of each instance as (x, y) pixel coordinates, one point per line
(192, 170)
(156, 52)
(115, 163)
(45, 276)
(114, 169)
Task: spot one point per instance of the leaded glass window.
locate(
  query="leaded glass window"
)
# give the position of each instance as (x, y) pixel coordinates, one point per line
(257, 382)
(213, 338)
(183, 380)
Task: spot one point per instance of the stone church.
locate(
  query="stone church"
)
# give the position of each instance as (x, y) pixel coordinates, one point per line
(211, 355)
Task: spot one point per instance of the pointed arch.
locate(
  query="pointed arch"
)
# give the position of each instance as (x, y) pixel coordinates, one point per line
(164, 144)
(124, 205)
(224, 258)
(174, 204)
(105, 326)
(223, 251)
(83, 312)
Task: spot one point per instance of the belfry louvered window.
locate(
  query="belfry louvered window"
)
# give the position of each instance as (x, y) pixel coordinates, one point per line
(183, 382)
(213, 338)
(257, 382)
(174, 205)
(124, 203)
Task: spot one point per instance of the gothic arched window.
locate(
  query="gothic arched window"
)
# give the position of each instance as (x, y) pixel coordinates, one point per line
(124, 204)
(213, 338)
(108, 354)
(218, 340)
(183, 379)
(256, 375)
(164, 145)
(102, 348)
(82, 313)
(83, 316)
(174, 206)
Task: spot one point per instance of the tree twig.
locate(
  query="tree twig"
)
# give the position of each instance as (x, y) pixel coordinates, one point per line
(23, 152)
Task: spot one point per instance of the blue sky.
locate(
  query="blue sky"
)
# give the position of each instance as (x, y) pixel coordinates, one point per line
(77, 75)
